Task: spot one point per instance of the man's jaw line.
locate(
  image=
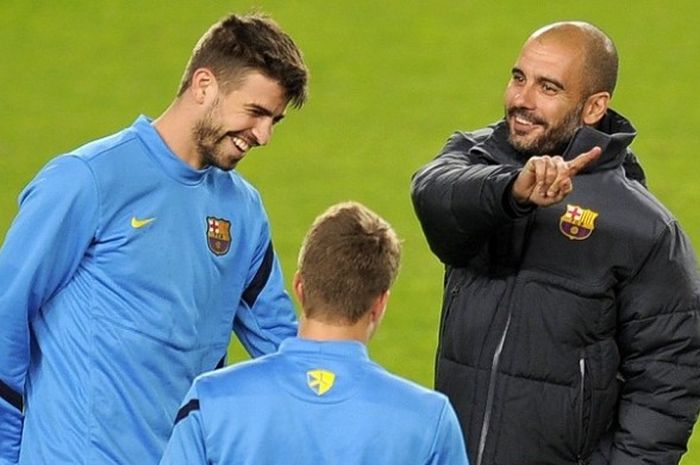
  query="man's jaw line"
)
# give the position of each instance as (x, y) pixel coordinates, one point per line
(243, 144)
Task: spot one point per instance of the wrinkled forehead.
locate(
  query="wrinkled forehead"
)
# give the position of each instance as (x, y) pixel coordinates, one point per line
(554, 56)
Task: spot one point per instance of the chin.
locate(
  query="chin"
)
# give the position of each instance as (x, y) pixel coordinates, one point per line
(520, 143)
(224, 162)
(227, 166)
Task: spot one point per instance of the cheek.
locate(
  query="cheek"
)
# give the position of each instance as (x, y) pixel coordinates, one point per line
(236, 122)
(560, 114)
(551, 111)
(508, 96)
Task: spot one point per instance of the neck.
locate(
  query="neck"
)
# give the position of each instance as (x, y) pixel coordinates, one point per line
(318, 330)
(175, 128)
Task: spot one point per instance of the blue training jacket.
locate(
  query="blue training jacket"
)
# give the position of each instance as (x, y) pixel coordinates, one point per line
(313, 403)
(121, 279)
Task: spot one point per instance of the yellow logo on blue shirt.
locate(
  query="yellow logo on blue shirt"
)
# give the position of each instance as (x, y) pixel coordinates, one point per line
(320, 381)
(137, 223)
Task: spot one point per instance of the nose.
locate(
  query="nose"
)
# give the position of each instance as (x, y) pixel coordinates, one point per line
(263, 131)
(522, 96)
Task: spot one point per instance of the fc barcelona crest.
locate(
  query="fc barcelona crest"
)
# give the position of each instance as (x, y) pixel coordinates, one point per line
(577, 223)
(320, 381)
(218, 235)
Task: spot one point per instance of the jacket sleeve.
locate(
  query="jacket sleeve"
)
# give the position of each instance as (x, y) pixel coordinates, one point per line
(186, 445)
(265, 315)
(42, 250)
(460, 199)
(448, 445)
(659, 340)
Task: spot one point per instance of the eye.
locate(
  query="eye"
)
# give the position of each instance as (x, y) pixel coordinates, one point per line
(549, 88)
(517, 77)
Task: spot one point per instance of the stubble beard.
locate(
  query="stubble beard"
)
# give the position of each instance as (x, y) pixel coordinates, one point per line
(208, 138)
(553, 141)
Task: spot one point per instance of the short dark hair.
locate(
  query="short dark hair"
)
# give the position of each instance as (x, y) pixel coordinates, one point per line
(349, 257)
(237, 45)
(601, 61)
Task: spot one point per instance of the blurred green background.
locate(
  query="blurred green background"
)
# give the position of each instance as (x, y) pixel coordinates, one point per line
(390, 81)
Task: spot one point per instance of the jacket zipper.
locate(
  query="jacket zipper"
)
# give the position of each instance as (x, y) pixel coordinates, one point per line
(490, 394)
(497, 356)
(582, 400)
(443, 318)
(448, 308)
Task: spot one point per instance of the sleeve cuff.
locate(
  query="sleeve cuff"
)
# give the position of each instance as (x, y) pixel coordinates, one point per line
(513, 208)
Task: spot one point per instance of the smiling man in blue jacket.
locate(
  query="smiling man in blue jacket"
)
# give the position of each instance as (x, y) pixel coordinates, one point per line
(133, 258)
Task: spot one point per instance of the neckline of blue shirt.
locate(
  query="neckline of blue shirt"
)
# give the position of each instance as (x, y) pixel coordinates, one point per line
(341, 348)
(173, 165)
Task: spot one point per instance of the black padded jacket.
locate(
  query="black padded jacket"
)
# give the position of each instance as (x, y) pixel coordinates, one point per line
(569, 334)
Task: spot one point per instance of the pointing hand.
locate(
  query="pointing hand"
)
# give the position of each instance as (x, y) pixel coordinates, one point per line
(546, 180)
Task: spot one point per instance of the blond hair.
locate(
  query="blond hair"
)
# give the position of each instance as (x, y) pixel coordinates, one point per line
(349, 257)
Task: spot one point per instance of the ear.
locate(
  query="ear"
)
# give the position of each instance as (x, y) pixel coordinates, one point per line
(379, 307)
(375, 315)
(204, 86)
(298, 287)
(595, 107)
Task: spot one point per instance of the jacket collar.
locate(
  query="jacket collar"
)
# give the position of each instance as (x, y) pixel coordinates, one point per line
(613, 134)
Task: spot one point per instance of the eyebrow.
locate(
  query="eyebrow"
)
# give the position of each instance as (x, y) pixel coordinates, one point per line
(259, 109)
(540, 79)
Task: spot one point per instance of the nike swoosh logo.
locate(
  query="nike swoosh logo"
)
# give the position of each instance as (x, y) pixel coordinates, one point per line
(137, 223)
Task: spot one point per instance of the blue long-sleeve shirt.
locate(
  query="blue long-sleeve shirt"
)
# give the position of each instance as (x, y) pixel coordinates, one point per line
(121, 279)
(313, 403)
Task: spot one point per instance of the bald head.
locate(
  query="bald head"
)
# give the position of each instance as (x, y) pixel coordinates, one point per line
(600, 62)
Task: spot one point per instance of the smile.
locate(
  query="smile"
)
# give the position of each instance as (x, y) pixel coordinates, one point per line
(240, 144)
(520, 123)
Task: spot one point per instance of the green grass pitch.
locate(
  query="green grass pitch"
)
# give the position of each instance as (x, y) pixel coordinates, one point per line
(390, 81)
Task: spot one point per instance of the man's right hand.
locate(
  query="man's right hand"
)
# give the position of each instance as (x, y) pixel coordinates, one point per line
(546, 180)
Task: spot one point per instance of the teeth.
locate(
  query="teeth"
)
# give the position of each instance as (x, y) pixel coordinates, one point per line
(242, 145)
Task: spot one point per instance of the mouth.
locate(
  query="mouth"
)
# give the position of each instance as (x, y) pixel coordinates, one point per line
(240, 143)
(522, 123)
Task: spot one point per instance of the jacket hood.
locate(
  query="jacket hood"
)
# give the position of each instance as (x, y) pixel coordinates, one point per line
(613, 135)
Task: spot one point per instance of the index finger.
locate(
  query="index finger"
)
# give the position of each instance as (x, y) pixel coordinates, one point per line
(583, 160)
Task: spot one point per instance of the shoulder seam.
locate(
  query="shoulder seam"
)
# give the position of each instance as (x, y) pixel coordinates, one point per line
(95, 187)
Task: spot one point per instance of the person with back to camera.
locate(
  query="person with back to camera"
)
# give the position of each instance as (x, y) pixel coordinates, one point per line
(320, 399)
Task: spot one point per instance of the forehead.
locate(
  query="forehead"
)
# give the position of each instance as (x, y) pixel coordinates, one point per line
(255, 88)
(547, 58)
